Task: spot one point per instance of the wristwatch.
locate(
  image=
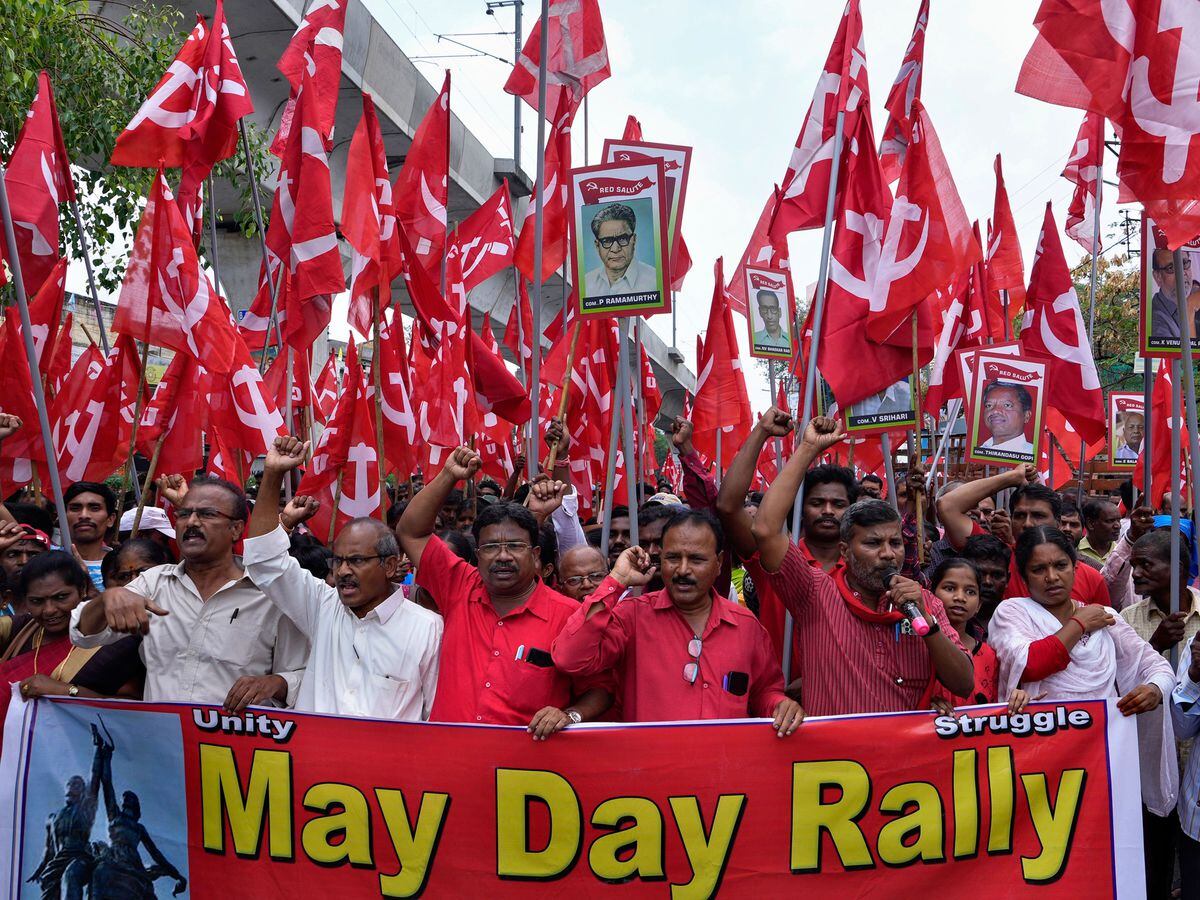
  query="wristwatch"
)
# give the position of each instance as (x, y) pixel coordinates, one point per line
(574, 716)
(73, 691)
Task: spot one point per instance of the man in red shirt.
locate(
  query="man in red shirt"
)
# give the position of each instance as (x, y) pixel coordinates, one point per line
(500, 620)
(1029, 505)
(857, 651)
(683, 652)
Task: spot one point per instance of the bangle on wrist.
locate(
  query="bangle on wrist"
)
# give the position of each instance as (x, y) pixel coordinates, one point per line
(1078, 622)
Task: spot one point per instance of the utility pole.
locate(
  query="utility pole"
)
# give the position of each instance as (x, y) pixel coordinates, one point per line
(518, 38)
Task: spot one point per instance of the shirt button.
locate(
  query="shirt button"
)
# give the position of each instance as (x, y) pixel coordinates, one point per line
(501, 624)
(706, 684)
(479, 718)
(495, 653)
(487, 684)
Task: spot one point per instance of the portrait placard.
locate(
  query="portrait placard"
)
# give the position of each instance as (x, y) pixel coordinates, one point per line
(772, 313)
(1126, 428)
(1005, 409)
(894, 407)
(619, 259)
(1158, 327)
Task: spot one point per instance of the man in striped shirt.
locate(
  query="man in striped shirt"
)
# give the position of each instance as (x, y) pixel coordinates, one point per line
(858, 652)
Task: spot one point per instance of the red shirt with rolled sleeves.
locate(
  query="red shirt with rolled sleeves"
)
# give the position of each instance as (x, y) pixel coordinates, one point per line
(1089, 586)
(480, 678)
(646, 640)
(849, 664)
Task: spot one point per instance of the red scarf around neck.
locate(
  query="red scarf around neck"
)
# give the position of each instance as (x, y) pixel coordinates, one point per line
(856, 606)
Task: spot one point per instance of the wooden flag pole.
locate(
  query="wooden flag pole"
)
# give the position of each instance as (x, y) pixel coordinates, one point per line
(337, 499)
(1176, 445)
(914, 452)
(137, 516)
(564, 396)
(627, 429)
(1187, 377)
(39, 396)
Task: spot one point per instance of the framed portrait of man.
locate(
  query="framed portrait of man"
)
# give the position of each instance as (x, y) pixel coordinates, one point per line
(893, 407)
(1159, 328)
(772, 308)
(1126, 428)
(677, 163)
(1005, 409)
(619, 257)
(965, 360)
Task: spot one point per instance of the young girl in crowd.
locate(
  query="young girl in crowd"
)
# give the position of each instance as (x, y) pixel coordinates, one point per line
(956, 583)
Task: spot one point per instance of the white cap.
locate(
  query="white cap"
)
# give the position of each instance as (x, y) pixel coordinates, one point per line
(153, 519)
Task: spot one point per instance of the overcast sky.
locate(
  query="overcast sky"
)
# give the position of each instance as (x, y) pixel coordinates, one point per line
(734, 80)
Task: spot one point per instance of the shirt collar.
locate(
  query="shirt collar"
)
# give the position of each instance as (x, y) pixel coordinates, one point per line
(721, 609)
(389, 607)
(539, 604)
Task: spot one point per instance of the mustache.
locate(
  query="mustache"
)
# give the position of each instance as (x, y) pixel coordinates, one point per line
(683, 580)
(193, 531)
(497, 568)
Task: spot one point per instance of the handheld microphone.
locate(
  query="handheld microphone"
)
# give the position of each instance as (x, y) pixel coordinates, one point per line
(908, 609)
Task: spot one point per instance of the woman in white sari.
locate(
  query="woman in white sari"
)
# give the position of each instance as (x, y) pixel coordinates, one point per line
(1051, 646)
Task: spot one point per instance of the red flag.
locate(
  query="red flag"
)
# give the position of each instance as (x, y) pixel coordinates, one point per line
(518, 335)
(301, 240)
(315, 48)
(1136, 63)
(166, 297)
(721, 402)
(224, 461)
(483, 244)
(1083, 170)
(842, 86)
(241, 406)
(421, 191)
(60, 359)
(446, 401)
(275, 382)
(16, 389)
(45, 316)
(555, 202)
(1053, 327)
(369, 221)
(90, 428)
(1005, 268)
(399, 417)
(928, 240)
(38, 178)
(854, 366)
(576, 59)
(905, 89)
(325, 390)
(174, 415)
(346, 452)
(190, 118)
(762, 250)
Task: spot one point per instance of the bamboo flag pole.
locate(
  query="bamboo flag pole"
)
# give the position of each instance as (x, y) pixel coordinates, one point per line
(137, 517)
(337, 500)
(915, 451)
(565, 395)
(130, 468)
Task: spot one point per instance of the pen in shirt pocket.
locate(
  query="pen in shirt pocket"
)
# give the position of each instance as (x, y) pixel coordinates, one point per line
(235, 614)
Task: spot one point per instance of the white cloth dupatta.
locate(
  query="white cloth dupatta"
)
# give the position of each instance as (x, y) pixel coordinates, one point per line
(1111, 662)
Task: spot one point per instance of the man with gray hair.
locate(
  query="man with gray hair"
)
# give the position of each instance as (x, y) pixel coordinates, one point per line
(374, 652)
(614, 229)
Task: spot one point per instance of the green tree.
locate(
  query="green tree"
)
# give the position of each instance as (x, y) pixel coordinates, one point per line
(102, 69)
(1115, 340)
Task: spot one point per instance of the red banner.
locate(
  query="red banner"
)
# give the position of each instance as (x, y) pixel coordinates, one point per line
(274, 803)
(759, 280)
(594, 190)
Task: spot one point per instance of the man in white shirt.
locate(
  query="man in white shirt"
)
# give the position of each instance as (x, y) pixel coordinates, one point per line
(374, 652)
(1007, 408)
(209, 634)
(614, 229)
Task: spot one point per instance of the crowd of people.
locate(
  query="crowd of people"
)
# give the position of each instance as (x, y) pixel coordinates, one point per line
(476, 602)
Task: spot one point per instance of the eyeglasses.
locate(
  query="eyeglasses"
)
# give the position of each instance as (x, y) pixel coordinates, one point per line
(591, 578)
(691, 670)
(493, 549)
(354, 562)
(1169, 268)
(621, 240)
(204, 513)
